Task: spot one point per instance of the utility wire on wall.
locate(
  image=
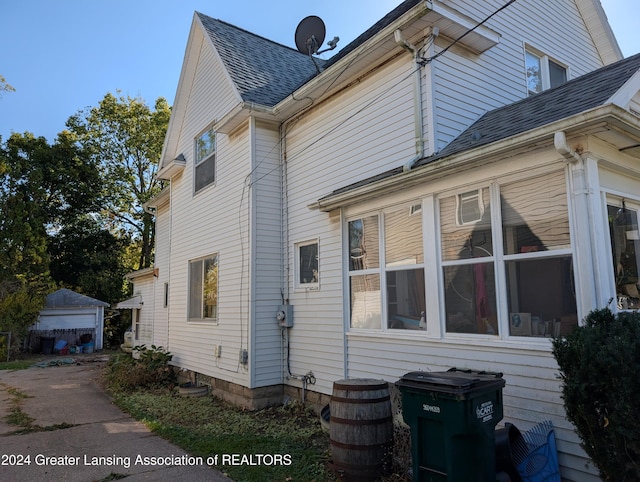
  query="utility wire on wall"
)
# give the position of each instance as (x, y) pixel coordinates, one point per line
(428, 60)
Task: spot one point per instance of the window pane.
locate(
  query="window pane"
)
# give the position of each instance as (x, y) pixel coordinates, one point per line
(205, 145)
(210, 292)
(403, 237)
(465, 241)
(405, 299)
(541, 297)
(535, 215)
(365, 301)
(534, 76)
(625, 247)
(557, 74)
(308, 263)
(195, 289)
(205, 173)
(364, 246)
(470, 299)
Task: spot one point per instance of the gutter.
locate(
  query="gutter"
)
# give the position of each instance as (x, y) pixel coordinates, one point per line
(341, 65)
(470, 158)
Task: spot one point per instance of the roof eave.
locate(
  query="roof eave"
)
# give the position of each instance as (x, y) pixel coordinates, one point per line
(382, 46)
(141, 273)
(600, 30)
(602, 115)
(241, 113)
(289, 105)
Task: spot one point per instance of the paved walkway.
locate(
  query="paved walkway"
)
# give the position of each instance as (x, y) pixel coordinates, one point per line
(84, 436)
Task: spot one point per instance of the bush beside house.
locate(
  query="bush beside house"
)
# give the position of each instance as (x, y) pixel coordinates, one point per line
(600, 369)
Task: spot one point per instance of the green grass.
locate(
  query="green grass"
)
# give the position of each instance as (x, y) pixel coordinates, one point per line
(207, 426)
(16, 365)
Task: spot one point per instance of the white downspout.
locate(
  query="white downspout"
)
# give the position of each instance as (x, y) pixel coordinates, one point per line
(585, 190)
(417, 99)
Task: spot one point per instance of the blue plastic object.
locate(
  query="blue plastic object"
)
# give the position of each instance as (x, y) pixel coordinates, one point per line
(541, 462)
(60, 344)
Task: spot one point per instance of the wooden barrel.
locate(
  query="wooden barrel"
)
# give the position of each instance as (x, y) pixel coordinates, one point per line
(361, 429)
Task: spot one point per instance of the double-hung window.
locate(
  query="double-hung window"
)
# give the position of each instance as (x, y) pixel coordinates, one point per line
(386, 270)
(205, 160)
(510, 271)
(203, 289)
(542, 72)
(623, 216)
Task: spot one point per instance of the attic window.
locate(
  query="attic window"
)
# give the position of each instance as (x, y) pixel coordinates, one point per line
(205, 160)
(542, 73)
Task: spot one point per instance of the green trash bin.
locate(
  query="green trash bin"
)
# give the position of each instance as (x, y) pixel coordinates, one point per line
(452, 416)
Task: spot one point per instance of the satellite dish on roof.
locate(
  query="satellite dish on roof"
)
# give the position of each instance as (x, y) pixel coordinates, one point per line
(310, 34)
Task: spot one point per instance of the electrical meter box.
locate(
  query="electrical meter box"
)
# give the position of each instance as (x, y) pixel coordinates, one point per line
(284, 316)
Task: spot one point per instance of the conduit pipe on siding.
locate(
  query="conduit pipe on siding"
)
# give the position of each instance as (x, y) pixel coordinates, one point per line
(417, 99)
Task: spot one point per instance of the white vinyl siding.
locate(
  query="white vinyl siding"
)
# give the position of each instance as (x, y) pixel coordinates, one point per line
(265, 265)
(466, 86)
(161, 263)
(210, 222)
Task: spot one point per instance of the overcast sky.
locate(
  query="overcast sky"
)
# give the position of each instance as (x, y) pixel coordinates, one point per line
(62, 56)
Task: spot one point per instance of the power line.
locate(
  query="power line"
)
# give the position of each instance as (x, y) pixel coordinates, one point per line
(427, 60)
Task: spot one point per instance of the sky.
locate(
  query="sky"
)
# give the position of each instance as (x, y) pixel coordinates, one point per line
(64, 56)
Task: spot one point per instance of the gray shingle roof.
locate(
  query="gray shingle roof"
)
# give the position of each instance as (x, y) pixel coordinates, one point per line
(581, 94)
(66, 298)
(263, 71)
(388, 19)
(578, 95)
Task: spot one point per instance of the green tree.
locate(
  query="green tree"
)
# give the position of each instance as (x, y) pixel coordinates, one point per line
(4, 86)
(126, 137)
(89, 259)
(42, 187)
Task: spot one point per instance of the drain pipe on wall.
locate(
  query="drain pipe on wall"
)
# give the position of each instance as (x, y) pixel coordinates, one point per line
(581, 175)
(417, 97)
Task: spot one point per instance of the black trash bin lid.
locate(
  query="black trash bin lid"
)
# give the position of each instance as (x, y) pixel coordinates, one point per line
(454, 381)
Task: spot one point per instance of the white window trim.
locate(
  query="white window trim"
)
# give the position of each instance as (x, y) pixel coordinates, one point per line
(298, 284)
(498, 259)
(633, 203)
(544, 67)
(197, 162)
(383, 268)
(434, 298)
(208, 321)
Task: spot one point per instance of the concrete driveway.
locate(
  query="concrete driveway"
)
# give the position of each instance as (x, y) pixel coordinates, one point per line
(80, 435)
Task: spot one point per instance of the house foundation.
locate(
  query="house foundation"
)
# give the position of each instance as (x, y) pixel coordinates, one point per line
(254, 398)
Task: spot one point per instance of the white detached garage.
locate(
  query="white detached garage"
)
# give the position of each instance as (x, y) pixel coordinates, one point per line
(66, 312)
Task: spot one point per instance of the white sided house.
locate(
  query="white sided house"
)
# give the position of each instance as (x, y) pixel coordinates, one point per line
(451, 189)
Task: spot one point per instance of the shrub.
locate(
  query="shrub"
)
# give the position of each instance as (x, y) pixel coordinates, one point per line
(600, 370)
(149, 370)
